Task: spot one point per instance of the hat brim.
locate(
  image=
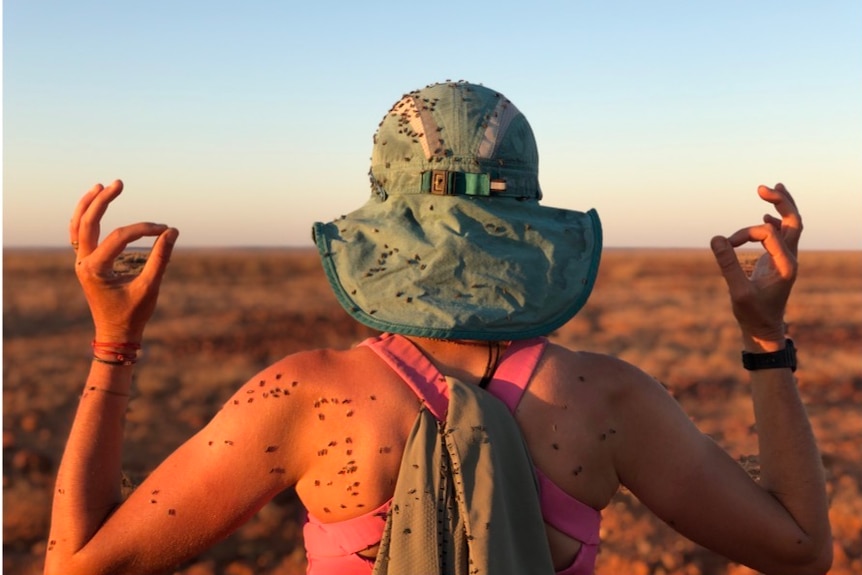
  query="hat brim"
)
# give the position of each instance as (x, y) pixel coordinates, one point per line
(457, 267)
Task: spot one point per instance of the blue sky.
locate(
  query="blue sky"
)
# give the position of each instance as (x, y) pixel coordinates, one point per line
(241, 123)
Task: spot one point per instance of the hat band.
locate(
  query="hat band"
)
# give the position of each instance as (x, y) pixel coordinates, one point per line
(447, 183)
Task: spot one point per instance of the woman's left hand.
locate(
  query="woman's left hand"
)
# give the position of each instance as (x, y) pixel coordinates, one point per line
(121, 303)
(759, 299)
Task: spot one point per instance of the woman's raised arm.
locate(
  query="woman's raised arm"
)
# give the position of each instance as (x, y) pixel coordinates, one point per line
(199, 494)
(779, 525)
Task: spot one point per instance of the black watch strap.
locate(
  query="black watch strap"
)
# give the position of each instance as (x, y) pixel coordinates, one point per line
(776, 359)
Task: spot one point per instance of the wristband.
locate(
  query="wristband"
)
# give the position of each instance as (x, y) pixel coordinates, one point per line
(119, 353)
(773, 360)
(108, 391)
(121, 360)
(116, 347)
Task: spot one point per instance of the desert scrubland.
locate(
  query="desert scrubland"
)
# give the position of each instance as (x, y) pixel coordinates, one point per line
(224, 314)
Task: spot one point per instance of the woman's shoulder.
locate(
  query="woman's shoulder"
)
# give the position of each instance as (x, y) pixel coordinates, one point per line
(616, 379)
(321, 365)
(354, 374)
(607, 367)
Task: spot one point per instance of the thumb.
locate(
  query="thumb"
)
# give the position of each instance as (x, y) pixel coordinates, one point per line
(727, 261)
(161, 254)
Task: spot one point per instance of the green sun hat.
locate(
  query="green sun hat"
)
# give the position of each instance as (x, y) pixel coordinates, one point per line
(453, 243)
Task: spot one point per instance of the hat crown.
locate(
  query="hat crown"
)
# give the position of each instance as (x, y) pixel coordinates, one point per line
(455, 128)
(410, 261)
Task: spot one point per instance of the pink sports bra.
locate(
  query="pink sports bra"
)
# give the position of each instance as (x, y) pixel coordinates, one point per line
(331, 548)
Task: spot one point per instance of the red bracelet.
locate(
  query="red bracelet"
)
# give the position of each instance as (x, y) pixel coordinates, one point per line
(108, 391)
(122, 353)
(121, 360)
(114, 346)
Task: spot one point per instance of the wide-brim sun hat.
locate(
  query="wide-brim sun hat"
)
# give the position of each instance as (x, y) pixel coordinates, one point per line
(453, 242)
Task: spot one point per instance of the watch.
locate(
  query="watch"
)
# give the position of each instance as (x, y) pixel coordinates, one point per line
(776, 359)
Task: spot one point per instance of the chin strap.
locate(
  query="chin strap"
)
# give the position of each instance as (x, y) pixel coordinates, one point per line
(495, 352)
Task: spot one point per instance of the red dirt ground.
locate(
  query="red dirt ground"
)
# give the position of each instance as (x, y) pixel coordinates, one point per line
(225, 314)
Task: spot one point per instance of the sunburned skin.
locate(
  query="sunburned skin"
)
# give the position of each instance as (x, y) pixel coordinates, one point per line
(334, 425)
(351, 427)
(324, 494)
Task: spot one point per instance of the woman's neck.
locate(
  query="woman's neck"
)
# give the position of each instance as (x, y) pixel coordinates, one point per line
(471, 361)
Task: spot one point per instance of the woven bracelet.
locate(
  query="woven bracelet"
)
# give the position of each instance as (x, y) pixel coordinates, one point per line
(121, 360)
(121, 353)
(108, 391)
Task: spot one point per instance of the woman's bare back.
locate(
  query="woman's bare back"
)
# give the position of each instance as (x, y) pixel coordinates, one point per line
(359, 414)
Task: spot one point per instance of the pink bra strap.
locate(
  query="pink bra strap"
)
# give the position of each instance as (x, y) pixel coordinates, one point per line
(517, 367)
(561, 510)
(410, 363)
(344, 537)
(567, 514)
(509, 382)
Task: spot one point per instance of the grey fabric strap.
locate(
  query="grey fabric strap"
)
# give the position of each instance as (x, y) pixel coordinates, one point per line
(466, 501)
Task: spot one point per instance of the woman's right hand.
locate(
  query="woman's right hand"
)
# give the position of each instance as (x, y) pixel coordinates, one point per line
(121, 303)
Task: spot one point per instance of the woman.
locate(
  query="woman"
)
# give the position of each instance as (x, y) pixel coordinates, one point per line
(460, 440)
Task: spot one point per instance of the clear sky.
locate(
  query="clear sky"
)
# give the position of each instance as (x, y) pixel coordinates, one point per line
(241, 123)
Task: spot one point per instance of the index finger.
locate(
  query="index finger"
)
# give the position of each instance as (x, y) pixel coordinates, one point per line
(783, 257)
(791, 220)
(115, 243)
(88, 215)
(80, 208)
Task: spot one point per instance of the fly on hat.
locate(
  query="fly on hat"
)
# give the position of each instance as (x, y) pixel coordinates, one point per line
(453, 242)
